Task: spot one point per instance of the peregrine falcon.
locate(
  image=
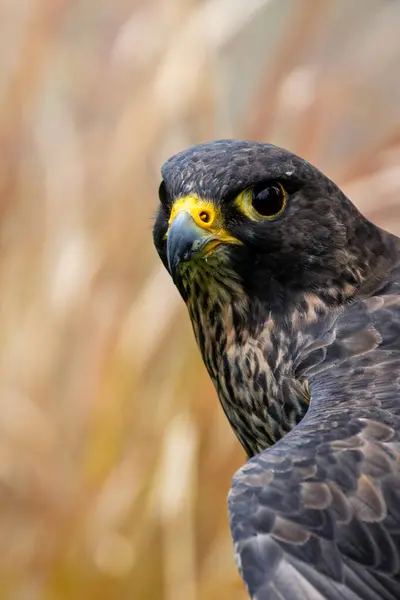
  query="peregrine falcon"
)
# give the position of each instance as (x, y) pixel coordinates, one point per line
(294, 298)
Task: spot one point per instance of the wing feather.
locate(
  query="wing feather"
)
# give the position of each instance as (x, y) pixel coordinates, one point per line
(318, 514)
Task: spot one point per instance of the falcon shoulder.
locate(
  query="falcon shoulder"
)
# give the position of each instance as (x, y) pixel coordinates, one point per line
(317, 515)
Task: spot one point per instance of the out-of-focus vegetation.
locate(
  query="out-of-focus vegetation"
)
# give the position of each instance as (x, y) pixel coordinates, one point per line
(115, 457)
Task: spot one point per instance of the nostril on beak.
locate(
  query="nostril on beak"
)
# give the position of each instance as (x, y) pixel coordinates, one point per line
(205, 216)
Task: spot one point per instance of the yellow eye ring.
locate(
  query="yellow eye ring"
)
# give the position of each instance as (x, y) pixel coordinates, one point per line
(261, 203)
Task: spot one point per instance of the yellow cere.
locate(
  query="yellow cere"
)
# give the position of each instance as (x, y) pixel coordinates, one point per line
(207, 216)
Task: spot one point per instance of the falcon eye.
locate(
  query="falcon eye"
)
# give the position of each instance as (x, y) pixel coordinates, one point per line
(262, 201)
(268, 201)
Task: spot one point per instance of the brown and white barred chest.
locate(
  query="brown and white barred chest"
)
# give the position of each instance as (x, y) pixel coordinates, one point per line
(252, 375)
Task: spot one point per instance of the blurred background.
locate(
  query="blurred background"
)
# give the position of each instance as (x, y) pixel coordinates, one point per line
(115, 457)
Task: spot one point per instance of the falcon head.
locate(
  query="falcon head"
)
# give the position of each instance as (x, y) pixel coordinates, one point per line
(260, 245)
(256, 220)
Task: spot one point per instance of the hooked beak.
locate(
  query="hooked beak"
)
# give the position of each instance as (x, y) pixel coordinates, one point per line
(185, 240)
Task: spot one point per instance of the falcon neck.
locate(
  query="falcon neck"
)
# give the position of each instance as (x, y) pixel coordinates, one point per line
(253, 367)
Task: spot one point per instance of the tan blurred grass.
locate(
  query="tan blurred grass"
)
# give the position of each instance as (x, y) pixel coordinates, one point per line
(115, 458)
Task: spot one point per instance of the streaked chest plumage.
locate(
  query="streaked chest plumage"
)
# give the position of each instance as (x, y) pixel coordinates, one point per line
(251, 371)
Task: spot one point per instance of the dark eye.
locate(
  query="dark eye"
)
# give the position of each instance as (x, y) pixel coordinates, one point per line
(269, 201)
(162, 193)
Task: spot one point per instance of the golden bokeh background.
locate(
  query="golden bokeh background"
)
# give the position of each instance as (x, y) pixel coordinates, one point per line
(115, 457)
